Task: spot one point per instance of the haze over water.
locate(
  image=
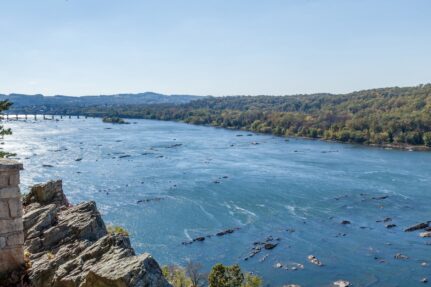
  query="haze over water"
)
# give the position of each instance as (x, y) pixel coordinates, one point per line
(196, 181)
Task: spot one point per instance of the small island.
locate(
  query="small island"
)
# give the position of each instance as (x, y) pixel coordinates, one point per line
(114, 120)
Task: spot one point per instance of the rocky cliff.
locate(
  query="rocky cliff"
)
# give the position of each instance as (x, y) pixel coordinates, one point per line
(68, 246)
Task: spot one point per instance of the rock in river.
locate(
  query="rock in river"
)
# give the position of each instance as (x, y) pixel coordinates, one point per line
(269, 246)
(342, 283)
(418, 226)
(313, 259)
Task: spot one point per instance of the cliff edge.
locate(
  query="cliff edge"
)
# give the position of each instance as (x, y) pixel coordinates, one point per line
(68, 246)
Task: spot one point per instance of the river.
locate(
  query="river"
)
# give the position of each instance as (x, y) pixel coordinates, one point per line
(168, 183)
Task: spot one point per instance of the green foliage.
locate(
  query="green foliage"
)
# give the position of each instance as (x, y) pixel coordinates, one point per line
(232, 276)
(380, 116)
(251, 280)
(220, 276)
(4, 105)
(4, 154)
(115, 229)
(176, 276)
(427, 139)
(225, 276)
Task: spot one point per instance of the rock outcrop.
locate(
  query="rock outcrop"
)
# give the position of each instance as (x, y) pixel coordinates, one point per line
(69, 246)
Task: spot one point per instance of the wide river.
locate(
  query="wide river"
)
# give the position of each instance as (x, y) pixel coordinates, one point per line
(168, 183)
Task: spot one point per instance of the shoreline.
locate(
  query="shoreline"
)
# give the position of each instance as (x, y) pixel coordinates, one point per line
(388, 146)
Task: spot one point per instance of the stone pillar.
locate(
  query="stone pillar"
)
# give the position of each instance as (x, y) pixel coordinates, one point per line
(11, 227)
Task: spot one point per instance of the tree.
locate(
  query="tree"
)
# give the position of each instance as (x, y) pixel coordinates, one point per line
(4, 105)
(218, 276)
(225, 276)
(193, 271)
(427, 139)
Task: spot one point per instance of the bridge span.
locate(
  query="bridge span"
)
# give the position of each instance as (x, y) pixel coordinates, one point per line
(15, 117)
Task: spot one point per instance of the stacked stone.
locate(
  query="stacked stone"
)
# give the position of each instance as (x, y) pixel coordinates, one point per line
(11, 226)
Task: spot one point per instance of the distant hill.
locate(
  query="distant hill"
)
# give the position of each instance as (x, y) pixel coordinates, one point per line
(395, 117)
(392, 117)
(36, 103)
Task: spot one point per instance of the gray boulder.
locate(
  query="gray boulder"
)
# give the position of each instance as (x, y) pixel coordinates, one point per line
(69, 246)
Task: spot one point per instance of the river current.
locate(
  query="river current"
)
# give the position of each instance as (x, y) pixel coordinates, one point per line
(168, 183)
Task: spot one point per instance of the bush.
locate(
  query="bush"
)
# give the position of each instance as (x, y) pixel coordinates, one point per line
(251, 280)
(176, 276)
(232, 276)
(115, 229)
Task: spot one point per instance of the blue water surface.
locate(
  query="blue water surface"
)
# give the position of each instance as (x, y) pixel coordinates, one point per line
(195, 181)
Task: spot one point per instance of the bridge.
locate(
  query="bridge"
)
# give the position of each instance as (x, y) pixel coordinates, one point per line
(9, 116)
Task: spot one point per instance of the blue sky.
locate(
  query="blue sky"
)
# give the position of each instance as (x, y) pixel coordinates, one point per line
(212, 47)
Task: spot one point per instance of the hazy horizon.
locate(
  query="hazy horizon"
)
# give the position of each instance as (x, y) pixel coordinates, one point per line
(218, 48)
(177, 94)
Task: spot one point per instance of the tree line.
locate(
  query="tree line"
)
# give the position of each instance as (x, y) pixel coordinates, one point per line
(394, 115)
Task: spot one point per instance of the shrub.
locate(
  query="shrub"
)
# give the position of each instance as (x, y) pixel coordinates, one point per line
(176, 276)
(232, 276)
(115, 229)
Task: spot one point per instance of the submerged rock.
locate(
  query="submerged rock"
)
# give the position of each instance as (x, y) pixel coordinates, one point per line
(269, 246)
(70, 246)
(418, 226)
(150, 199)
(380, 197)
(400, 256)
(227, 231)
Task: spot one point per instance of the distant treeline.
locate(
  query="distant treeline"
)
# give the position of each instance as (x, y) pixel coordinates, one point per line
(379, 116)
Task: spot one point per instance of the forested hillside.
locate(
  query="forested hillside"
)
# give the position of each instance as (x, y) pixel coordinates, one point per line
(379, 116)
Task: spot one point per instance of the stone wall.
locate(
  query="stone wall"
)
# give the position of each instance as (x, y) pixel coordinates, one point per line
(11, 226)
